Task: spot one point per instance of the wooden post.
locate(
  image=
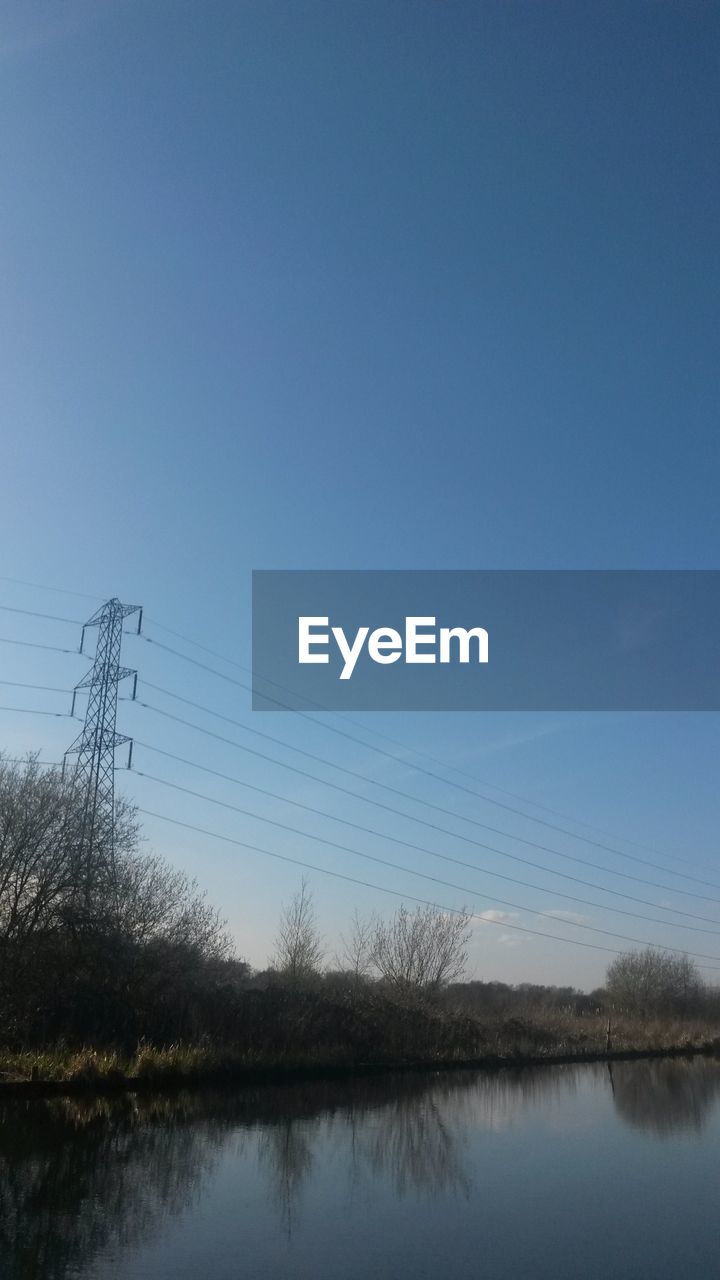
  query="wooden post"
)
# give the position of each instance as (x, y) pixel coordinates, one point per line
(608, 1040)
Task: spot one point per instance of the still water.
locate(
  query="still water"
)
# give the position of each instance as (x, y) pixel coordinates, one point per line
(557, 1172)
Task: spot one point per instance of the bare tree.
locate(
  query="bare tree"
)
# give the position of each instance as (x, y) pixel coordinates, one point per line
(298, 946)
(42, 874)
(356, 954)
(652, 981)
(421, 950)
(90, 934)
(135, 895)
(158, 902)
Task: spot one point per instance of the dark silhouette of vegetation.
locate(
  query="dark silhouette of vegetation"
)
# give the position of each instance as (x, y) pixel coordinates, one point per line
(115, 948)
(422, 950)
(298, 946)
(116, 965)
(650, 982)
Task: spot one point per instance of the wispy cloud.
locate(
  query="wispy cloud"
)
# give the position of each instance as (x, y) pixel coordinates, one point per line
(572, 917)
(495, 917)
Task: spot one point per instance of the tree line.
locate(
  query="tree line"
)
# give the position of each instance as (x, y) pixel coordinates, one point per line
(113, 945)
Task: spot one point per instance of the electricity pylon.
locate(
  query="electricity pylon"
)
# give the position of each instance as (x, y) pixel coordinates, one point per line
(95, 745)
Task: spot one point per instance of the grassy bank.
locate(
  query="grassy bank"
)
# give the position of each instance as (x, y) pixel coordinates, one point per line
(511, 1041)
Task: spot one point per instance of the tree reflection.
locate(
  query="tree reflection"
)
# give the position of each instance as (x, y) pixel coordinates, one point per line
(83, 1177)
(80, 1179)
(78, 1176)
(403, 1130)
(409, 1129)
(666, 1096)
(285, 1153)
(417, 1146)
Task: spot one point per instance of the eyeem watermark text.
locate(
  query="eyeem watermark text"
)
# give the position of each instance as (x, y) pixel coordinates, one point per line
(486, 640)
(420, 642)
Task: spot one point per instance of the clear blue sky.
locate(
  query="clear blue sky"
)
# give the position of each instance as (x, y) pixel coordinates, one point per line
(302, 285)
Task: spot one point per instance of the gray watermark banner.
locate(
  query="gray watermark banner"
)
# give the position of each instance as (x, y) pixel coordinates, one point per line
(486, 640)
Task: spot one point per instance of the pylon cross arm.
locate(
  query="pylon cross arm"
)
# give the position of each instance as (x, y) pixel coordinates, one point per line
(114, 608)
(95, 677)
(83, 740)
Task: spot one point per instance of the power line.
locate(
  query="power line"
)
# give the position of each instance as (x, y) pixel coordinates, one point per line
(33, 711)
(39, 586)
(377, 733)
(394, 866)
(46, 688)
(33, 644)
(395, 893)
(418, 848)
(49, 764)
(404, 795)
(477, 795)
(373, 732)
(212, 652)
(423, 822)
(31, 613)
(380, 834)
(194, 661)
(360, 742)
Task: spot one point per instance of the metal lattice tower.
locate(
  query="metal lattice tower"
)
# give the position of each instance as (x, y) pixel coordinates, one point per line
(95, 745)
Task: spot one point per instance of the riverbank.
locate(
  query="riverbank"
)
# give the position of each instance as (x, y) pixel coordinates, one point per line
(182, 1067)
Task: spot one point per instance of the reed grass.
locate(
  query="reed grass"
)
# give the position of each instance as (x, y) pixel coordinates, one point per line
(542, 1036)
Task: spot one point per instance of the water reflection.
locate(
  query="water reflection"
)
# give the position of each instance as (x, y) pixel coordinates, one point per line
(416, 1147)
(84, 1178)
(666, 1096)
(286, 1157)
(74, 1176)
(408, 1131)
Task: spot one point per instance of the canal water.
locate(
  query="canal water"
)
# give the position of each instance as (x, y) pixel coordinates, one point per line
(559, 1172)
